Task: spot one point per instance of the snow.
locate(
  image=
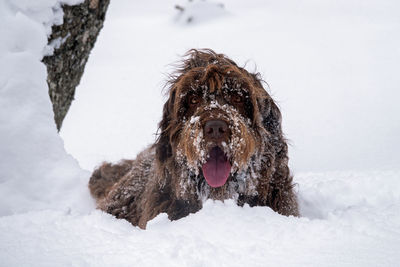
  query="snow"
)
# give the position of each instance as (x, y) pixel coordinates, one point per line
(354, 231)
(196, 12)
(34, 168)
(333, 68)
(194, 119)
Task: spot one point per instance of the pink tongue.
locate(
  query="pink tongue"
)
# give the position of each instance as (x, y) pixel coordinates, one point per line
(217, 168)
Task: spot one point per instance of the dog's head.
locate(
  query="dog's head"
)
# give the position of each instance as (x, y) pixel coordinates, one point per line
(220, 127)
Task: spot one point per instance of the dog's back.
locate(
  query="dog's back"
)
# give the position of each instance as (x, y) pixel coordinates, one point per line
(129, 189)
(105, 176)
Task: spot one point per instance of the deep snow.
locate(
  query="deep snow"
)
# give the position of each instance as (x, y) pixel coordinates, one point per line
(343, 226)
(332, 66)
(34, 168)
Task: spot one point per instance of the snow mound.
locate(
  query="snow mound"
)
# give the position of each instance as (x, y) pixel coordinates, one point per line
(35, 170)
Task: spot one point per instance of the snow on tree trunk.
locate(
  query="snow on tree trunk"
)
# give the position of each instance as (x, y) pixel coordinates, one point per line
(72, 42)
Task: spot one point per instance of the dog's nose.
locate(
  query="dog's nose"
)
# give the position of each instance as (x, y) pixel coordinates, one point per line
(216, 130)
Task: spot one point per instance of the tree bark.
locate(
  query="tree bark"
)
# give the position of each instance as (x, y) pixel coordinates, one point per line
(75, 38)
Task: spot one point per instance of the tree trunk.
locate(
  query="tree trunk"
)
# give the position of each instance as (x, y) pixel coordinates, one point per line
(73, 40)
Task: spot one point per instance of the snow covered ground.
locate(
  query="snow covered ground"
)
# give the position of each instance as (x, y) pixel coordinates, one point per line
(331, 65)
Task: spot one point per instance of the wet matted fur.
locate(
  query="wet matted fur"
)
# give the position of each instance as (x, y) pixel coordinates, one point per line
(169, 176)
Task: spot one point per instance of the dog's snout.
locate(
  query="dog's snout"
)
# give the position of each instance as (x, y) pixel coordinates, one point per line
(216, 130)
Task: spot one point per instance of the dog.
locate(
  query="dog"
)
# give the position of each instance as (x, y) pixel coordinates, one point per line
(220, 137)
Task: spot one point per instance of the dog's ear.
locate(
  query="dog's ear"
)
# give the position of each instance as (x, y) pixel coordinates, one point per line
(271, 116)
(163, 145)
(272, 122)
(267, 109)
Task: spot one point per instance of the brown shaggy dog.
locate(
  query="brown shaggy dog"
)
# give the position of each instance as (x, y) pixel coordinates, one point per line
(220, 138)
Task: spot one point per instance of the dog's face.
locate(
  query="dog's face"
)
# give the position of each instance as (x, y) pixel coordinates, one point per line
(218, 126)
(217, 138)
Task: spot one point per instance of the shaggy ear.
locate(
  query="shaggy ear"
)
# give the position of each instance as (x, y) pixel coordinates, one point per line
(269, 111)
(270, 115)
(163, 145)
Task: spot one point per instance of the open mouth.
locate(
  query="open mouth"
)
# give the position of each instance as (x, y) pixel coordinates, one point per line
(217, 168)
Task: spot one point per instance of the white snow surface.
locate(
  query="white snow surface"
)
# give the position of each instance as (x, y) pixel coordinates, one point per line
(34, 167)
(331, 65)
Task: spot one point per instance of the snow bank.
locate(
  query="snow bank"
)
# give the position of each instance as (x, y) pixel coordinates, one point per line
(35, 170)
(359, 227)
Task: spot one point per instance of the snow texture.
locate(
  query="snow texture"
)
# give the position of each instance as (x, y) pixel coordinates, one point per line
(35, 171)
(332, 66)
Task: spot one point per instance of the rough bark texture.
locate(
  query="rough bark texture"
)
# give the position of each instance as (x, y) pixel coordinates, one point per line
(78, 34)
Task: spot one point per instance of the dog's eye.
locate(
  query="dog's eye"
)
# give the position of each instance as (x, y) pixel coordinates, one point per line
(194, 100)
(237, 99)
